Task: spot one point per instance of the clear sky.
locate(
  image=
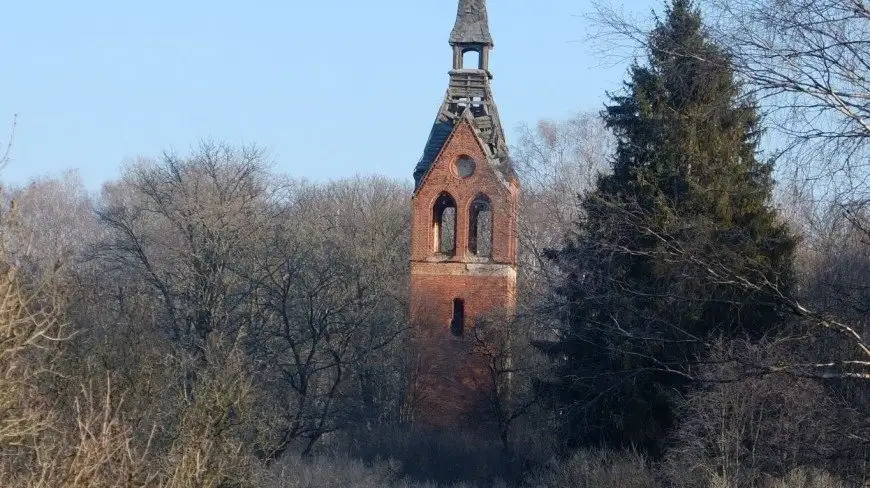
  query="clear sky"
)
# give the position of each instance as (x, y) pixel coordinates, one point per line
(331, 88)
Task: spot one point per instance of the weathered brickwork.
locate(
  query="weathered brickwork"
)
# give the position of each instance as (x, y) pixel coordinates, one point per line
(459, 299)
(453, 382)
(484, 181)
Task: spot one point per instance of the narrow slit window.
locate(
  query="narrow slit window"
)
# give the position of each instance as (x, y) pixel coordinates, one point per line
(480, 227)
(444, 224)
(457, 323)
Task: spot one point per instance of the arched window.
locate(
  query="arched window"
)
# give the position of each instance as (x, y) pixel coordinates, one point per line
(444, 224)
(457, 323)
(471, 59)
(480, 227)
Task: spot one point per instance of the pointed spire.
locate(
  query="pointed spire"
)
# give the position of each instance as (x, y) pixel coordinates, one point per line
(472, 25)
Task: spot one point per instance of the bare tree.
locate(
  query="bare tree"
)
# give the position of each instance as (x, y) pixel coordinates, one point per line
(557, 161)
(188, 228)
(333, 305)
(55, 221)
(505, 345)
(807, 59)
(174, 264)
(740, 431)
(5, 153)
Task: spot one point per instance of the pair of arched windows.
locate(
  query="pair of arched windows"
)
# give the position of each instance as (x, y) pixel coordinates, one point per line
(444, 222)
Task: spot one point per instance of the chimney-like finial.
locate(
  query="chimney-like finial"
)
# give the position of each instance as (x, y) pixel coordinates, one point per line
(472, 25)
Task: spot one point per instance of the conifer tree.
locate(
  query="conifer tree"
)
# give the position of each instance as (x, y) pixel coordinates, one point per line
(677, 248)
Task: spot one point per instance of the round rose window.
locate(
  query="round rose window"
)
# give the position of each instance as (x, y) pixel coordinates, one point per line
(464, 167)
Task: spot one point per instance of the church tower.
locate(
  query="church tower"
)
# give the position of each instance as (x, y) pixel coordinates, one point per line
(464, 236)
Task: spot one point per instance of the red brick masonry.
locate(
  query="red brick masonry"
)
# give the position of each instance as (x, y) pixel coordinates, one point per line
(453, 385)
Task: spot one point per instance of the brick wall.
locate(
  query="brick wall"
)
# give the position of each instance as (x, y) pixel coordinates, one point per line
(453, 385)
(442, 178)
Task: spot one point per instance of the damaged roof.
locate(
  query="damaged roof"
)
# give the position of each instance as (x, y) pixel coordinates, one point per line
(472, 24)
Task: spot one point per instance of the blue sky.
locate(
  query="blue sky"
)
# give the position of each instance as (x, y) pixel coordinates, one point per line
(330, 88)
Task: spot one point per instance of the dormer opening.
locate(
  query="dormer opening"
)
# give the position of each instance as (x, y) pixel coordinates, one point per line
(471, 59)
(471, 56)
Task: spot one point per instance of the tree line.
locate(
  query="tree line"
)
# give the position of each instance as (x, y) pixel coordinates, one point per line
(687, 300)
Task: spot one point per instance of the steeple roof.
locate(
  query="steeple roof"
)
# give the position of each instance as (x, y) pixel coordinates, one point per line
(472, 24)
(469, 96)
(469, 90)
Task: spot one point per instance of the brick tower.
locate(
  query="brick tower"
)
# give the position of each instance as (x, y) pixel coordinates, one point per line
(464, 240)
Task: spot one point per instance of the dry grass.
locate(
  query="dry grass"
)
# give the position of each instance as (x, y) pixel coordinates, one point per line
(343, 472)
(798, 478)
(331, 472)
(596, 469)
(804, 478)
(444, 457)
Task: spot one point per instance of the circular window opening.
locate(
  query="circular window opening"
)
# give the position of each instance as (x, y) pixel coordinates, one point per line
(464, 167)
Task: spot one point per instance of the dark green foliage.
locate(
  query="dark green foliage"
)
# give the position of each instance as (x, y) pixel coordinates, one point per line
(677, 247)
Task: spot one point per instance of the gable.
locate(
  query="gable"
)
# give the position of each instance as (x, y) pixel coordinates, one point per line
(462, 139)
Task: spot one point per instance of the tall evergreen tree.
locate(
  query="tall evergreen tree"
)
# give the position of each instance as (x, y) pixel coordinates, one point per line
(665, 259)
